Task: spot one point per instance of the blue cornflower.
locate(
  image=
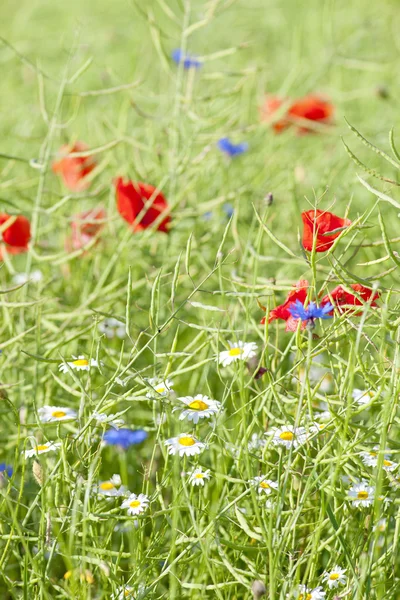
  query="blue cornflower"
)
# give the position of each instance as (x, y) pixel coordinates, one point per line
(6, 469)
(231, 149)
(189, 61)
(124, 437)
(312, 312)
(228, 209)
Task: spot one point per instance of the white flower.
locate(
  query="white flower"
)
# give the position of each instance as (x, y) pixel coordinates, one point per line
(395, 482)
(199, 407)
(334, 577)
(111, 488)
(112, 328)
(109, 419)
(306, 593)
(256, 443)
(323, 416)
(370, 459)
(185, 443)
(136, 504)
(160, 388)
(237, 351)
(363, 396)
(48, 414)
(362, 494)
(288, 436)
(80, 363)
(42, 449)
(264, 485)
(123, 593)
(381, 526)
(198, 476)
(35, 276)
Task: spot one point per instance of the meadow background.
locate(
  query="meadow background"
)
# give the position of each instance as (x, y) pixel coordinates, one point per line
(59, 65)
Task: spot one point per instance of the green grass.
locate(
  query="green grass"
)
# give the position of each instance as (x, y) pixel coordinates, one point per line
(66, 74)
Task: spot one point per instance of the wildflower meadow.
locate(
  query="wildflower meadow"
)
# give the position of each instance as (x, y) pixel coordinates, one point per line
(199, 290)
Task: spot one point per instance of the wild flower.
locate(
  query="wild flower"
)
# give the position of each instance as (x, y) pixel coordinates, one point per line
(189, 61)
(231, 149)
(335, 577)
(322, 227)
(237, 351)
(124, 438)
(48, 414)
(141, 204)
(198, 407)
(362, 494)
(198, 476)
(112, 328)
(184, 444)
(136, 504)
(74, 170)
(42, 449)
(80, 363)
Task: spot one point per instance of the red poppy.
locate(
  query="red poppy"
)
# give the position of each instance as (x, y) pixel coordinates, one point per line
(85, 227)
(311, 108)
(282, 312)
(271, 105)
(132, 197)
(16, 235)
(74, 169)
(345, 300)
(317, 223)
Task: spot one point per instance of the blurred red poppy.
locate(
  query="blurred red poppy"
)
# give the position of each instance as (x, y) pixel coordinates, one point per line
(271, 105)
(16, 235)
(344, 301)
(133, 196)
(310, 108)
(317, 223)
(282, 311)
(85, 227)
(74, 169)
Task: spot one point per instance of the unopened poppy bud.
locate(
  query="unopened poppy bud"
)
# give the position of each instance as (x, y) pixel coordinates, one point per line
(382, 91)
(37, 471)
(258, 588)
(269, 198)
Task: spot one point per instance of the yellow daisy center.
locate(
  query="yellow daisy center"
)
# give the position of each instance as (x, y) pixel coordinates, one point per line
(373, 454)
(42, 447)
(287, 436)
(334, 576)
(160, 389)
(363, 495)
(198, 405)
(235, 351)
(106, 485)
(199, 476)
(58, 414)
(81, 362)
(305, 597)
(135, 503)
(187, 441)
(264, 485)
(387, 463)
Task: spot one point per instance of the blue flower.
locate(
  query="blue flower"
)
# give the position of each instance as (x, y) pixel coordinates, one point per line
(188, 61)
(6, 469)
(124, 437)
(298, 311)
(228, 209)
(231, 149)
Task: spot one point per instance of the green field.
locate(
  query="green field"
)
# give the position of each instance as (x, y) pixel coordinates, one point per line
(101, 72)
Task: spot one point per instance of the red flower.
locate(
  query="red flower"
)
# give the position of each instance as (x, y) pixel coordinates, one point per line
(131, 200)
(345, 300)
(85, 227)
(74, 169)
(310, 108)
(313, 108)
(282, 311)
(317, 223)
(16, 235)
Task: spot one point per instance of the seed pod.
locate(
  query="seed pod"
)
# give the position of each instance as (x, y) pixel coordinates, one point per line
(258, 588)
(37, 471)
(269, 198)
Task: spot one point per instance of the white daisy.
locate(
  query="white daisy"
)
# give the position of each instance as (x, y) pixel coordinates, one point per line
(363, 396)
(256, 443)
(160, 388)
(237, 351)
(80, 363)
(306, 593)
(334, 577)
(198, 476)
(264, 485)
(121, 593)
(112, 487)
(48, 414)
(199, 407)
(288, 436)
(108, 419)
(370, 459)
(35, 276)
(381, 525)
(112, 328)
(42, 449)
(362, 494)
(184, 444)
(136, 504)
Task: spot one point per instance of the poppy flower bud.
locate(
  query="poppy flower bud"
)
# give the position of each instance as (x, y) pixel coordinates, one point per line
(258, 588)
(269, 198)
